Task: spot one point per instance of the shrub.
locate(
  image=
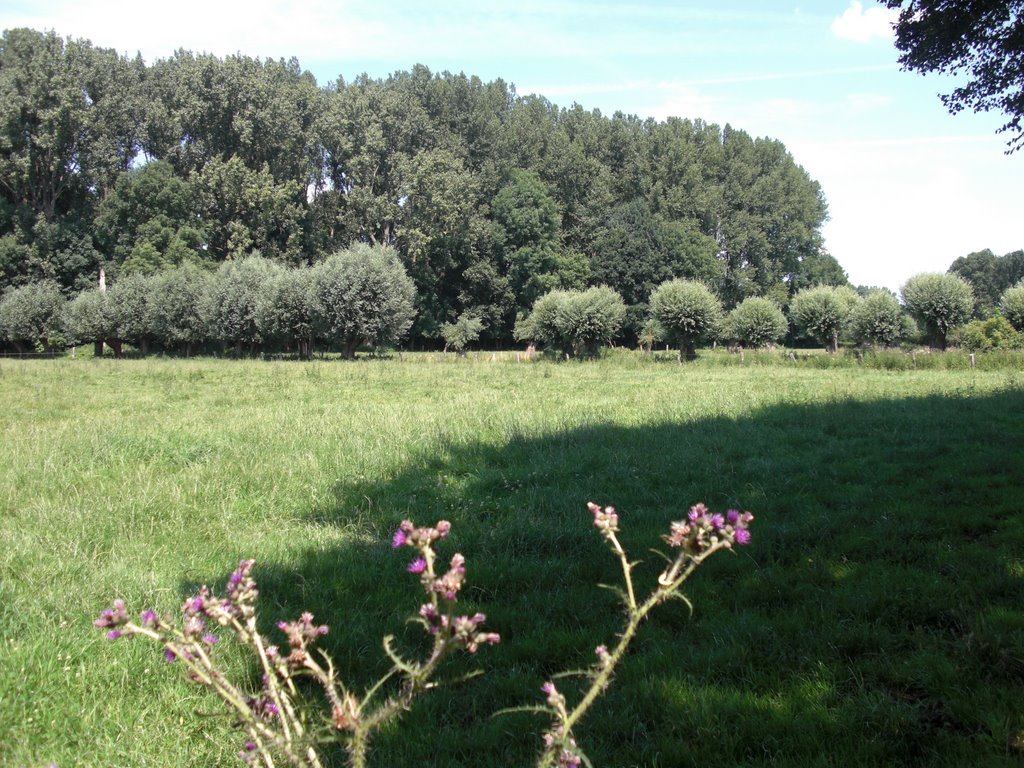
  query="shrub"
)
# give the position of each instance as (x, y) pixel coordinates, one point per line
(31, 315)
(460, 334)
(822, 313)
(175, 308)
(234, 293)
(1012, 305)
(363, 296)
(687, 312)
(757, 322)
(985, 335)
(129, 301)
(287, 310)
(577, 322)
(940, 301)
(878, 320)
(89, 317)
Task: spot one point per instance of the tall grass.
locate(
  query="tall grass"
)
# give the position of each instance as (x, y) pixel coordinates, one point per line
(877, 618)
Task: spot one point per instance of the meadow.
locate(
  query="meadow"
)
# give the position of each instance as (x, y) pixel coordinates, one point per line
(877, 617)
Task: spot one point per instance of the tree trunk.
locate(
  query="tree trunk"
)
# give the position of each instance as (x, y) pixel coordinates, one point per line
(97, 348)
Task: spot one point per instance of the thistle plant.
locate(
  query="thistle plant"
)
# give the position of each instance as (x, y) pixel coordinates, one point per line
(279, 728)
(694, 539)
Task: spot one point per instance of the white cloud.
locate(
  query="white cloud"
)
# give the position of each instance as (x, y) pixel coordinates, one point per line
(862, 26)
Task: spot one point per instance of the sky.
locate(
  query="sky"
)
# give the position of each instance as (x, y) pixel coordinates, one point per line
(910, 187)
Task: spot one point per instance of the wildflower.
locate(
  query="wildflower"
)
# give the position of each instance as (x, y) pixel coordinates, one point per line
(148, 618)
(451, 582)
(115, 616)
(248, 753)
(419, 565)
(605, 520)
(603, 657)
(210, 640)
(114, 634)
(555, 699)
(398, 539)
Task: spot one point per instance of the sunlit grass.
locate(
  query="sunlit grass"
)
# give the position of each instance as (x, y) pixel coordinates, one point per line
(877, 619)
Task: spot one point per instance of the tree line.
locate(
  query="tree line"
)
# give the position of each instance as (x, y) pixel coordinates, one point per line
(363, 296)
(489, 199)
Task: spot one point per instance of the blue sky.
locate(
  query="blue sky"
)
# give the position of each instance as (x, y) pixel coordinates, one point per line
(910, 187)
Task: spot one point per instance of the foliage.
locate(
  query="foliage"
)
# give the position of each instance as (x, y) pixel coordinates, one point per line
(577, 322)
(989, 276)
(233, 296)
(460, 334)
(287, 311)
(363, 296)
(152, 220)
(822, 313)
(89, 317)
(129, 300)
(985, 37)
(1012, 305)
(175, 308)
(939, 301)
(878, 319)
(490, 199)
(687, 312)
(986, 335)
(757, 322)
(31, 315)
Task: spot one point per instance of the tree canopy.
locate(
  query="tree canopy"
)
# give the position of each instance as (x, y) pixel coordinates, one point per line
(488, 198)
(983, 37)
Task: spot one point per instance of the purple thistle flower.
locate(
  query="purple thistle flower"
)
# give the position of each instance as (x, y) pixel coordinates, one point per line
(742, 536)
(210, 640)
(398, 539)
(170, 656)
(419, 565)
(148, 618)
(114, 634)
(732, 516)
(717, 522)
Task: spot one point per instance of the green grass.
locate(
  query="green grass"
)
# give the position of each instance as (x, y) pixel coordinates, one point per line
(876, 619)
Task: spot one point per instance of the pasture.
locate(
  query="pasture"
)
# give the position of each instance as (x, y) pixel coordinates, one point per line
(877, 618)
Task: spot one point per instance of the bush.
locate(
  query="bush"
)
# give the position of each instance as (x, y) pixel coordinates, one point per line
(235, 291)
(878, 320)
(89, 318)
(31, 316)
(687, 312)
(757, 322)
(175, 308)
(363, 296)
(822, 313)
(460, 334)
(1012, 305)
(287, 311)
(940, 301)
(986, 335)
(577, 322)
(129, 301)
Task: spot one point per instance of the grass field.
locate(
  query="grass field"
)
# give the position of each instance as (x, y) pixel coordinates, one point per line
(876, 619)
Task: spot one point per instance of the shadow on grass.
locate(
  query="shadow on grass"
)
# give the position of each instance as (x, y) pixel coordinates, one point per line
(876, 619)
